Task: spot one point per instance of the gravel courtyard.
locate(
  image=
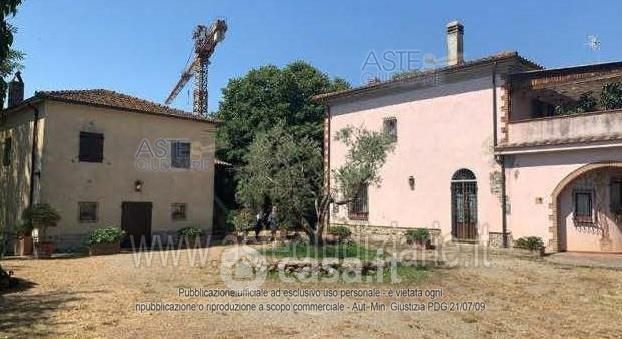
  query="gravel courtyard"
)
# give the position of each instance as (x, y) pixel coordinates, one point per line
(97, 296)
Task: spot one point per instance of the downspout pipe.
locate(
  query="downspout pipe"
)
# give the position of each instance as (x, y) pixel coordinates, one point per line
(500, 159)
(327, 154)
(33, 154)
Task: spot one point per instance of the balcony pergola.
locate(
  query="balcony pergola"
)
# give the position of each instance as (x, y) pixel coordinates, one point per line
(564, 107)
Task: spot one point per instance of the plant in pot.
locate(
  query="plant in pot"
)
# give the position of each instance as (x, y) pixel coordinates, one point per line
(23, 243)
(106, 240)
(419, 237)
(191, 236)
(42, 216)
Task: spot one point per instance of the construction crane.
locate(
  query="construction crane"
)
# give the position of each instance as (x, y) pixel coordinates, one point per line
(205, 42)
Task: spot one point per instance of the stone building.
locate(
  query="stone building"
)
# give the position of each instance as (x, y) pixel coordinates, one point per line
(102, 158)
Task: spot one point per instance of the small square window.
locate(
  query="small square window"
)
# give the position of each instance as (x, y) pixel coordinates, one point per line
(178, 211)
(583, 207)
(87, 211)
(390, 127)
(180, 154)
(6, 154)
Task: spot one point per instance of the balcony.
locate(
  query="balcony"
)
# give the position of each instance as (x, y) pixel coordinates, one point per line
(571, 107)
(566, 129)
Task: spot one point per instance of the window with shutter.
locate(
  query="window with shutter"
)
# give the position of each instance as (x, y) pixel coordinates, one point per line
(180, 154)
(91, 147)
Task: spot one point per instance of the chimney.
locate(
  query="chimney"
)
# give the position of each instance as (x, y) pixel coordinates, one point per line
(16, 90)
(455, 43)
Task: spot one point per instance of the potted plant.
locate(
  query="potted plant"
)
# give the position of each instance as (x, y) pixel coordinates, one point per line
(106, 240)
(42, 216)
(23, 243)
(191, 236)
(419, 237)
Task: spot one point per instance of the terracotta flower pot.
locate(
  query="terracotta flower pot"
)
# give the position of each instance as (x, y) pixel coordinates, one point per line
(105, 248)
(44, 249)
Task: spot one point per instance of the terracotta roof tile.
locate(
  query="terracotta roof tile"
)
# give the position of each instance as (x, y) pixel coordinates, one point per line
(423, 74)
(112, 99)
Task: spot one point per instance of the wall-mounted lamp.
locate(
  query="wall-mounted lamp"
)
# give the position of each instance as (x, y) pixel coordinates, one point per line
(411, 182)
(138, 185)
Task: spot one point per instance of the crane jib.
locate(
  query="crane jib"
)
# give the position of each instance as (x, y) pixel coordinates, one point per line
(205, 42)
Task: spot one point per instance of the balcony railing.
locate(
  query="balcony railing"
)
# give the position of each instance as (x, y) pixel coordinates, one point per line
(565, 129)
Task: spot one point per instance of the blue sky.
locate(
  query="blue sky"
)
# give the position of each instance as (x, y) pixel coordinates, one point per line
(139, 47)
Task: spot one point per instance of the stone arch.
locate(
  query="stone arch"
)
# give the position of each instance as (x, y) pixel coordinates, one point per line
(554, 229)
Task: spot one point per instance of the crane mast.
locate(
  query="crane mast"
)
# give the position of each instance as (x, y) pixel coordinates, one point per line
(205, 42)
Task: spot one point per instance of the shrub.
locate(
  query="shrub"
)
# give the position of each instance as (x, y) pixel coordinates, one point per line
(342, 232)
(611, 96)
(191, 232)
(418, 234)
(106, 235)
(243, 219)
(41, 216)
(529, 243)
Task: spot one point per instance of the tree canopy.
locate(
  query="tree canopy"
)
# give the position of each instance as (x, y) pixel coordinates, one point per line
(288, 172)
(9, 58)
(267, 96)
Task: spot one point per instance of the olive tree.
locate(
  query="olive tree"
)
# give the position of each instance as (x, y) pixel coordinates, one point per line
(288, 172)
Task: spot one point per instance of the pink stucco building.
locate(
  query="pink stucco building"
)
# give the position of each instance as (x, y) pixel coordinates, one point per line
(490, 149)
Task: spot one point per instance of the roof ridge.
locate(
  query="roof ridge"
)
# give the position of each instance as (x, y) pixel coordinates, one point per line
(111, 98)
(423, 73)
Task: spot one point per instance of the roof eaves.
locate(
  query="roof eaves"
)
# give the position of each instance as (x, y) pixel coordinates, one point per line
(326, 97)
(50, 96)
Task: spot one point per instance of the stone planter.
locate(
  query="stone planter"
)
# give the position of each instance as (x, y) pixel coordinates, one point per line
(420, 244)
(44, 249)
(105, 248)
(23, 246)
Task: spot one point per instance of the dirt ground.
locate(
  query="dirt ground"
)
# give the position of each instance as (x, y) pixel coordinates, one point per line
(97, 296)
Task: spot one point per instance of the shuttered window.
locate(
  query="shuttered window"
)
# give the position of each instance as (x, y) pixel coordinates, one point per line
(180, 154)
(91, 147)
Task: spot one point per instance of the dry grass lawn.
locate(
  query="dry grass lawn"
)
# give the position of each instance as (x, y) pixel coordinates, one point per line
(96, 296)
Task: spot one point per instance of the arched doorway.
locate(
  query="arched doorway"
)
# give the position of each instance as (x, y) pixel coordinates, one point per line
(587, 210)
(464, 205)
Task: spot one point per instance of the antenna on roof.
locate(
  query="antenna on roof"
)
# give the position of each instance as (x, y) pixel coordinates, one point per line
(593, 43)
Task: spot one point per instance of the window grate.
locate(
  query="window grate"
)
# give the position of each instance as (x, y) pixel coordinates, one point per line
(358, 209)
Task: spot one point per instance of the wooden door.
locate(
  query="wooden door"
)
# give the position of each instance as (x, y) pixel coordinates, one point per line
(136, 222)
